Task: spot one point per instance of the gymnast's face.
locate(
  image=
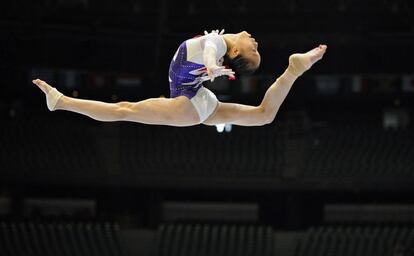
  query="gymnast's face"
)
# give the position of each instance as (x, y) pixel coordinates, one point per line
(246, 46)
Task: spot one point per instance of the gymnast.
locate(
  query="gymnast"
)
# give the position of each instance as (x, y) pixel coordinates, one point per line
(198, 60)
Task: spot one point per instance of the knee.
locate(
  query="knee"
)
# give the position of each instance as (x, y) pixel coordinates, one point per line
(267, 116)
(123, 110)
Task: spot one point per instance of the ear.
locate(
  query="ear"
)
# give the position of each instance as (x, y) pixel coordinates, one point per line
(233, 52)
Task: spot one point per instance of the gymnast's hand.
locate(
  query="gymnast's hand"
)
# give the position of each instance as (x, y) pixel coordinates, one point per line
(216, 71)
(218, 32)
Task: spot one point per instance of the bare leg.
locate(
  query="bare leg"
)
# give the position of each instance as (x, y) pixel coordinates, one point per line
(265, 113)
(175, 112)
(277, 92)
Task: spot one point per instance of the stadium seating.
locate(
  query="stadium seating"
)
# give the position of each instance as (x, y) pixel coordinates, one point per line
(77, 151)
(357, 240)
(68, 239)
(213, 239)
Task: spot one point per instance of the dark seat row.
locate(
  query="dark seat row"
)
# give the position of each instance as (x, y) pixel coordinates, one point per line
(349, 240)
(66, 239)
(213, 239)
(358, 152)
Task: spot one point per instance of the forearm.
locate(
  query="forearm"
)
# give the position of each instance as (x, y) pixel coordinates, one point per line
(276, 93)
(209, 57)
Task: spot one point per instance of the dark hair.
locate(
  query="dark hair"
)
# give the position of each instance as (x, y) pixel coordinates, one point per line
(239, 64)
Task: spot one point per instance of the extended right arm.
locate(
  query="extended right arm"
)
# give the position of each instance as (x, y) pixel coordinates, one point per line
(214, 46)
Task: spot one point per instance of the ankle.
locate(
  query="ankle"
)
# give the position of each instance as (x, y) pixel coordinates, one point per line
(290, 75)
(60, 103)
(52, 98)
(293, 71)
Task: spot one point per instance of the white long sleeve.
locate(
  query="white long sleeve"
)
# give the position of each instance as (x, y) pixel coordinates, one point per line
(214, 49)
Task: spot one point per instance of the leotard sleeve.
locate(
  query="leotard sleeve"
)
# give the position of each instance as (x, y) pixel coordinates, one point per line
(214, 49)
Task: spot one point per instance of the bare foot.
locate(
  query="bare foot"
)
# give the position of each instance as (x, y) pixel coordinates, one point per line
(42, 85)
(316, 53)
(300, 62)
(52, 95)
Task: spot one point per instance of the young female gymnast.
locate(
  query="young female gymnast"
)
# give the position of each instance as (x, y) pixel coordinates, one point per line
(196, 61)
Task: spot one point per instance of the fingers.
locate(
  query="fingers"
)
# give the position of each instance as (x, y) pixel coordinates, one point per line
(218, 32)
(210, 74)
(230, 73)
(225, 72)
(221, 71)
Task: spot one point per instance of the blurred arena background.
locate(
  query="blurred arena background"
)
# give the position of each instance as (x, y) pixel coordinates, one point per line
(333, 175)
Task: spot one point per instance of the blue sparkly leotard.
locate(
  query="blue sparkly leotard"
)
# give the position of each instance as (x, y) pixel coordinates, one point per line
(187, 71)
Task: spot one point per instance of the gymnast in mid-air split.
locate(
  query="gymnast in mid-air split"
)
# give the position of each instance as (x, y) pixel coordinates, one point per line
(198, 60)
